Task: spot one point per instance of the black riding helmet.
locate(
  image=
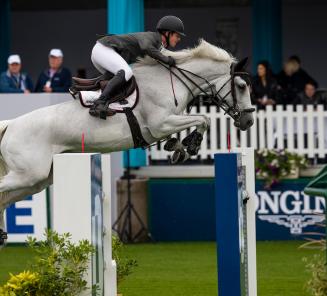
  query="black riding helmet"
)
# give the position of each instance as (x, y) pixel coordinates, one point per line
(171, 23)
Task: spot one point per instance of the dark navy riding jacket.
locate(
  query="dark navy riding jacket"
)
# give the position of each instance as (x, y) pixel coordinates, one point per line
(60, 82)
(9, 84)
(134, 45)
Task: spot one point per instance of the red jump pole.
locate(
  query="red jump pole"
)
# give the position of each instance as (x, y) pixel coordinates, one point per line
(83, 143)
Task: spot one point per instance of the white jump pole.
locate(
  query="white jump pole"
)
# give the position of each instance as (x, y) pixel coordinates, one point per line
(81, 205)
(235, 223)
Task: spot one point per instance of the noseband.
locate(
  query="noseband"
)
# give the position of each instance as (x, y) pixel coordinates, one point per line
(234, 111)
(215, 96)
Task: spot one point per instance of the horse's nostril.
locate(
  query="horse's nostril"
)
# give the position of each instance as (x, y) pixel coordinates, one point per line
(250, 122)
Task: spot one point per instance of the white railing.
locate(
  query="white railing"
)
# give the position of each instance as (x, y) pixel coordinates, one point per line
(298, 129)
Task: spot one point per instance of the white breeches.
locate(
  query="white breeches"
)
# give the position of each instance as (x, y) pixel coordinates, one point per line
(106, 59)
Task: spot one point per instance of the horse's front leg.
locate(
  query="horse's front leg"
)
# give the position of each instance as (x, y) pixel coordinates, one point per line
(192, 142)
(176, 123)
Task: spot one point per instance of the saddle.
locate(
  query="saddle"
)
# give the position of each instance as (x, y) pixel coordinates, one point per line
(89, 90)
(124, 101)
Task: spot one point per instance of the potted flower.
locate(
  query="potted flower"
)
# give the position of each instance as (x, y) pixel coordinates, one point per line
(58, 268)
(273, 165)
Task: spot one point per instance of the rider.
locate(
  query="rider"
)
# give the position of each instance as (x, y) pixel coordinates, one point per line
(113, 53)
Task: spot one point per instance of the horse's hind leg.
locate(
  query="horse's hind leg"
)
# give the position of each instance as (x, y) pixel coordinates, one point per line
(17, 180)
(7, 198)
(20, 177)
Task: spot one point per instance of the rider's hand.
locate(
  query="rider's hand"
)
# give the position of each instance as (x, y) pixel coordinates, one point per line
(171, 61)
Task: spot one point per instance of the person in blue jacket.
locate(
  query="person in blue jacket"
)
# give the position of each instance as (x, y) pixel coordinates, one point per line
(13, 80)
(56, 78)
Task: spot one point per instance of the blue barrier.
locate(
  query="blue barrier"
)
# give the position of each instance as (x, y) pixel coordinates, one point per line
(235, 224)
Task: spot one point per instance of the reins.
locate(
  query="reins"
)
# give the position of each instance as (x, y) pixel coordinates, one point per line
(220, 101)
(215, 96)
(182, 72)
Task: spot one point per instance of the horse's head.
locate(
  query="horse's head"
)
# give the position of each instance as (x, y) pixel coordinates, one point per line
(233, 96)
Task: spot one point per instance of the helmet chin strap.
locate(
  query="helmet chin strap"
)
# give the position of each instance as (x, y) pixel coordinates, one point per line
(167, 39)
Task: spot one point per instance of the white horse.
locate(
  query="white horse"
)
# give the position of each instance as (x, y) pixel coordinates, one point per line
(28, 143)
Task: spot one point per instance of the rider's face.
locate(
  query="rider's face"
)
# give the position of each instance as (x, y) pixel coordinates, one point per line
(174, 38)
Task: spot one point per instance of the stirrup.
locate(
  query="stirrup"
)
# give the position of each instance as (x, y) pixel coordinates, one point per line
(103, 115)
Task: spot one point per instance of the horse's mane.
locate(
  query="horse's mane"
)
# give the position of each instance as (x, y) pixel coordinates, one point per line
(203, 50)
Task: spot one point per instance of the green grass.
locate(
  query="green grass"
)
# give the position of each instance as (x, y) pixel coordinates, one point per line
(189, 269)
(13, 259)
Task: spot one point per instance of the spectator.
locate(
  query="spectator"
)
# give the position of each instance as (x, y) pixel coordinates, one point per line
(56, 78)
(13, 80)
(293, 79)
(309, 96)
(264, 86)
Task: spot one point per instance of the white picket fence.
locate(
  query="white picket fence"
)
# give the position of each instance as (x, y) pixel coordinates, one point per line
(295, 128)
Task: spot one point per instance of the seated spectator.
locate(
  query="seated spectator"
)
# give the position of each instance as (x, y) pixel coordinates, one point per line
(293, 79)
(264, 86)
(56, 78)
(309, 96)
(13, 80)
(322, 93)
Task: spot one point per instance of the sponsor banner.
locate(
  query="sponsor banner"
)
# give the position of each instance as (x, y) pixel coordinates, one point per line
(27, 218)
(285, 212)
(184, 210)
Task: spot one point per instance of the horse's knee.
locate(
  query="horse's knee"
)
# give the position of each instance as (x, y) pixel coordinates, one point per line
(160, 131)
(206, 122)
(204, 125)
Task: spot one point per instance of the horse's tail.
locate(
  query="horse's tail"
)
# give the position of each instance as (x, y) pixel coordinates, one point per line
(3, 165)
(3, 172)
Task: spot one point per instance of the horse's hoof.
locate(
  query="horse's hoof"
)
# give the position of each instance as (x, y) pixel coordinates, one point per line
(178, 156)
(171, 144)
(3, 237)
(187, 141)
(197, 139)
(193, 138)
(193, 149)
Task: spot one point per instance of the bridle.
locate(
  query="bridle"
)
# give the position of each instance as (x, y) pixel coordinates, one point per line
(214, 96)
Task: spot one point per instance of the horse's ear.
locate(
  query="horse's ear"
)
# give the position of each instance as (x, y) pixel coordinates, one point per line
(241, 64)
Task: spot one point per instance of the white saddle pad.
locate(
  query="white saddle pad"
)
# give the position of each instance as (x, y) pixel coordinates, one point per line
(88, 97)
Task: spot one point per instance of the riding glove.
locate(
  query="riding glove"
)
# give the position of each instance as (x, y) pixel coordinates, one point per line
(171, 61)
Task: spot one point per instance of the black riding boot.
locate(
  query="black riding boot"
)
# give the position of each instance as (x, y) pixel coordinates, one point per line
(100, 106)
